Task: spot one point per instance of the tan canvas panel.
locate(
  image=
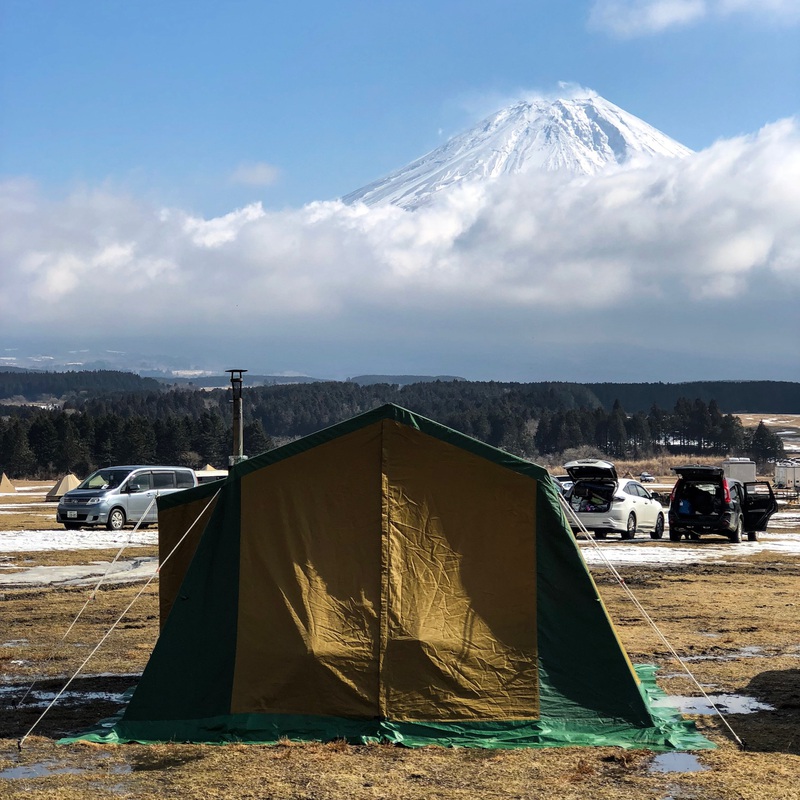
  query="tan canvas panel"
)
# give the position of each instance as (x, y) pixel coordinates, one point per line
(173, 523)
(309, 598)
(460, 641)
(62, 486)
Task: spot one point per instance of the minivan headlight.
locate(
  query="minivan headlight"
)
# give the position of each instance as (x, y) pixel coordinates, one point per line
(92, 501)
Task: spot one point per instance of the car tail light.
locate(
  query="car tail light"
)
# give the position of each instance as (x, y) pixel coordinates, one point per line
(672, 493)
(726, 491)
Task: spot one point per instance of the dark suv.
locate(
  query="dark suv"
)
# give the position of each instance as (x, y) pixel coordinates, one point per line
(705, 501)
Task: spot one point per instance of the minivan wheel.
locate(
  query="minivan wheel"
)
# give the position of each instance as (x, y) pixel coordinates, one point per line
(658, 531)
(736, 534)
(630, 528)
(674, 536)
(116, 520)
(752, 536)
(600, 534)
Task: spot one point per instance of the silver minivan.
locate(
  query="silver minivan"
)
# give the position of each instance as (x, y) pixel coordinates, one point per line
(114, 496)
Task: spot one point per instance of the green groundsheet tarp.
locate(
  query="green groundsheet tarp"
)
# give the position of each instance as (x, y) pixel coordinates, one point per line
(670, 732)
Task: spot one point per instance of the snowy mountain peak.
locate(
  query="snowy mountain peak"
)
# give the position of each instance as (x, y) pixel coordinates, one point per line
(581, 135)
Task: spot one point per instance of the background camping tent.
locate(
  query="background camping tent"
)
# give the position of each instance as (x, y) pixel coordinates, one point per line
(62, 486)
(209, 474)
(5, 484)
(387, 578)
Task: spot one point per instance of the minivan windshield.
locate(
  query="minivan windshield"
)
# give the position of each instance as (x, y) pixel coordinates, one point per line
(105, 479)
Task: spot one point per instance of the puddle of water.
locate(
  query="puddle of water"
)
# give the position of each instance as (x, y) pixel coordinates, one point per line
(676, 762)
(70, 698)
(748, 651)
(45, 769)
(727, 703)
(41, 770)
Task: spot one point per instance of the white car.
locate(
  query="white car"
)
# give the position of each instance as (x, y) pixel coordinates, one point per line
(604, 503)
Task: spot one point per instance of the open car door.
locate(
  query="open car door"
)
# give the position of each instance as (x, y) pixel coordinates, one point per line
(759, 505)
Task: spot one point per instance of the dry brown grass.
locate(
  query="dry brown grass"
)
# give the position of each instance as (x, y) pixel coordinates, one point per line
(709, 612)
(658, 466)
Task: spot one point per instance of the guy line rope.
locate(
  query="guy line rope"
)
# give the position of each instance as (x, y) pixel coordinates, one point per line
(570, 513)
(118, 620)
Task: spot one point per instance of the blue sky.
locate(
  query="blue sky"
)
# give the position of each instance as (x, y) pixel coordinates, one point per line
(127, 125)
(172, 98)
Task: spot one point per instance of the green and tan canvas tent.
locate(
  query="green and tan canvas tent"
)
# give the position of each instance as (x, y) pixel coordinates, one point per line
(386, 579)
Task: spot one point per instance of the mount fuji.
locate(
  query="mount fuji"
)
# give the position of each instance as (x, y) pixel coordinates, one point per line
(582, 136)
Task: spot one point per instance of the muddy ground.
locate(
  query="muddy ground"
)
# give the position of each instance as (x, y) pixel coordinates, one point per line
(734, 621)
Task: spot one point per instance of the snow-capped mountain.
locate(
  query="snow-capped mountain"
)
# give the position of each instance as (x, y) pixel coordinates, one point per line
(582, 135)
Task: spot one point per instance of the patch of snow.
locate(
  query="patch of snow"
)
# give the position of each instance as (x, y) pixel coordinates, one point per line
(663, 553)
(101, 539)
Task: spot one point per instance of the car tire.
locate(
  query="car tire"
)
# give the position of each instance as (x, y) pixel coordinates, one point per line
(116, 519)
(752, 536)
(630, 528)
(72, 526)
(600, 534)
(658, 531)
(736, 534)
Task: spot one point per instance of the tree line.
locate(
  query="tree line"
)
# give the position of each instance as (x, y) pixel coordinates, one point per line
(184, 426)
(691, 428)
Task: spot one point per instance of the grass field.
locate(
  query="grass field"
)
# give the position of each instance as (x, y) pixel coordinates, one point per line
(736, 621)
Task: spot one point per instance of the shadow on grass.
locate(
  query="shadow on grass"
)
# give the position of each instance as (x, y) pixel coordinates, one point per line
(86, 701)
(775, 731)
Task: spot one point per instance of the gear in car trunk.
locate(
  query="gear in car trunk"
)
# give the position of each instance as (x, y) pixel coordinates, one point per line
(592, 496)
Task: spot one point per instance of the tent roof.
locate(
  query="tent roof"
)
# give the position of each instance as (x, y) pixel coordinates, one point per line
(389, 411)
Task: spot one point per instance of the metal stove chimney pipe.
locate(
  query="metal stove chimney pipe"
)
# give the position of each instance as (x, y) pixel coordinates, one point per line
(238, 425)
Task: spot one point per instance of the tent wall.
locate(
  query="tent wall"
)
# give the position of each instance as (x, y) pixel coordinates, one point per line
(182, 518)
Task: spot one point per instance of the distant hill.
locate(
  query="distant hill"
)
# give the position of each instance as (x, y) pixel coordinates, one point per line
(224, 381)
(401, 380)
(732, 397)
(37, 386)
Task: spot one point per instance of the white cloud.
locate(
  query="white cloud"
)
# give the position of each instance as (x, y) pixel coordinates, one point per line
(629, 18)
(634, 17)
(490, 275)
(782, 9)
(256, 174)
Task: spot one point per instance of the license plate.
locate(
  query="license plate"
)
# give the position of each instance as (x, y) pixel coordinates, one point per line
(72, 514)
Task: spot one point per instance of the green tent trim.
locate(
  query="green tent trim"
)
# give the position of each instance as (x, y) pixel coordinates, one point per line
(669, 732)
(586, 690)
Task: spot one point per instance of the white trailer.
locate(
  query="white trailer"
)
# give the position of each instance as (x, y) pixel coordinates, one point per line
(787, 474)
(739, 469)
